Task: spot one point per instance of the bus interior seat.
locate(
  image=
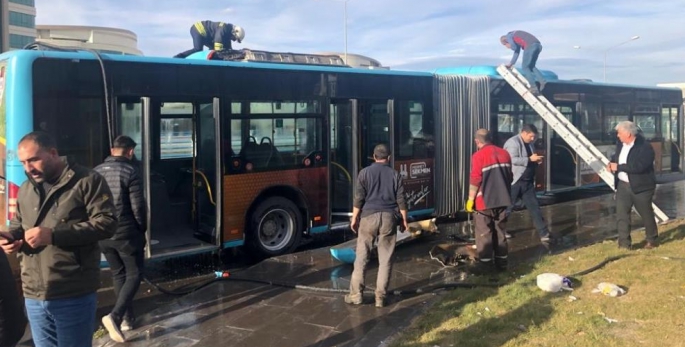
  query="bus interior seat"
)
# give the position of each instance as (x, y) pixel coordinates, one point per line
(274, 158)
(251, 151)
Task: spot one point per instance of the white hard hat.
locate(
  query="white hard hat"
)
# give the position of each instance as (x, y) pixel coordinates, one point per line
(238, 33)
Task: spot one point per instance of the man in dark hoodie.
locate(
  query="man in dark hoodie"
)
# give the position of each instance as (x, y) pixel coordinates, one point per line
(125, 250)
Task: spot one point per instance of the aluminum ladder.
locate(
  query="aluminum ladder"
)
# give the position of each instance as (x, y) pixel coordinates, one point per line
(566, 130)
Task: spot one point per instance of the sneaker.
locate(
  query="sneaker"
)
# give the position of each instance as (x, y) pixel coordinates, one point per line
(651, 245)
(126, 325)
(380, 302)
(113, 329)
(353, 299)
(508, 235)
(542, 85)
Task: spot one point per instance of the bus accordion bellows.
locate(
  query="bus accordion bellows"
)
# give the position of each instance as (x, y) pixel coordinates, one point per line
(264, 154)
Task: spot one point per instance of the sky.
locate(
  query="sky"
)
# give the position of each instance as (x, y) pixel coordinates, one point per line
(418, 35)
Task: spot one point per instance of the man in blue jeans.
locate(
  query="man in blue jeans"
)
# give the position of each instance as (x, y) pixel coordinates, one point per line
(524, 162)
(63, 210)
(124, 251)
(517, 40)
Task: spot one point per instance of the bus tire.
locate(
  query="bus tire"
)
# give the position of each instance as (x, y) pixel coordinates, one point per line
(276, 227)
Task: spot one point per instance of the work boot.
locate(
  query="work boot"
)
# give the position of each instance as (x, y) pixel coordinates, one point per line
(501, 265)
(480, 268)
(112, 326)
(353, 299)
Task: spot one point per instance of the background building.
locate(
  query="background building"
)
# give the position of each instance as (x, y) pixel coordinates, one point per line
(17, 23)
(105, 40)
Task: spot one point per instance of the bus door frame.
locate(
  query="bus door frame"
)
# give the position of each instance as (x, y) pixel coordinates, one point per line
(146, 134)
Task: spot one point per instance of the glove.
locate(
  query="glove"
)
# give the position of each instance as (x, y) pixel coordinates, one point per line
(469, 205)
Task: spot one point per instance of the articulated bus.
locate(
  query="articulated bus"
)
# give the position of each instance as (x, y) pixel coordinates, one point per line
(266, 154)
(594, 109)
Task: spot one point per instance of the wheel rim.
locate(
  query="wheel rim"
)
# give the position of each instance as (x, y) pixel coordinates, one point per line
(276, 229)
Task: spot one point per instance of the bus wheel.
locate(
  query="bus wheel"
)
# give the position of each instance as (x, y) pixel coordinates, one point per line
(276, 227)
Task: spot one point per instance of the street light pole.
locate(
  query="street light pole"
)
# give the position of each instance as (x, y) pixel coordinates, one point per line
(346, 31)
(345, 26)
(612, 47)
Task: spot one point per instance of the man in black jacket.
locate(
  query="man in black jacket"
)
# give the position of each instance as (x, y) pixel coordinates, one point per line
(124, 251)
(12, 318)
(63, 210)
(214, 35)
(633, 165)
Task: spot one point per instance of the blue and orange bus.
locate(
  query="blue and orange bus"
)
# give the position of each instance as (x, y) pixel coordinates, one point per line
(263, 154)
(232, 152)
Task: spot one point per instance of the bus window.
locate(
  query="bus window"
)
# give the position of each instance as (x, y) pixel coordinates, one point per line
(236, 136)
(647, 125)
(415, 136)
(281, 142)
(590, 121)
(613, 114)
(77, 125)
(130, 120)
(176, 138)
(68, 103)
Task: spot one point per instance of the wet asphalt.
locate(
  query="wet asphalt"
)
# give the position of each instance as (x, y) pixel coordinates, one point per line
(239, 313)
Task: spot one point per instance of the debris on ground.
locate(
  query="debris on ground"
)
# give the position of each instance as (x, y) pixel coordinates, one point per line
(609, 289)
(553, 283)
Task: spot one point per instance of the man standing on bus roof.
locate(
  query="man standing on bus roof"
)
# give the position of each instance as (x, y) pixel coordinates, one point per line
(517, 40)
(633, 165)
(125, 250)
(524, 165)
(379, 200)
(63, 210)
(489, 186)
(213, 35)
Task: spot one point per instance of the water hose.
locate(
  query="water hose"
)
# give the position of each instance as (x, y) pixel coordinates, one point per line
(225, 276)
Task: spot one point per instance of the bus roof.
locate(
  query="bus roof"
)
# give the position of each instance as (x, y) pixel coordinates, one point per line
(201, 58)
(491, 71)
(30, 55)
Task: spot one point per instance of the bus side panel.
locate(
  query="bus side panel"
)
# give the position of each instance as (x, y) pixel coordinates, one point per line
(241, 190)
(417, 176)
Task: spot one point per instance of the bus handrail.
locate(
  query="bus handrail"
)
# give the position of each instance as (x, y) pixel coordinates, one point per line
(349, 177)
(209, 188)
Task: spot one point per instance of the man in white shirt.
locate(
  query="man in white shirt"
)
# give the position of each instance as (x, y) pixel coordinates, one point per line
(633, 164)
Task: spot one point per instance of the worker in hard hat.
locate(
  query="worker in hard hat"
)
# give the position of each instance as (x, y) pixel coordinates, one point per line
(215, 35)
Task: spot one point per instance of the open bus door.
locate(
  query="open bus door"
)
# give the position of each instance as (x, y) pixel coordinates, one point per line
(357, 126)
(181, 160)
